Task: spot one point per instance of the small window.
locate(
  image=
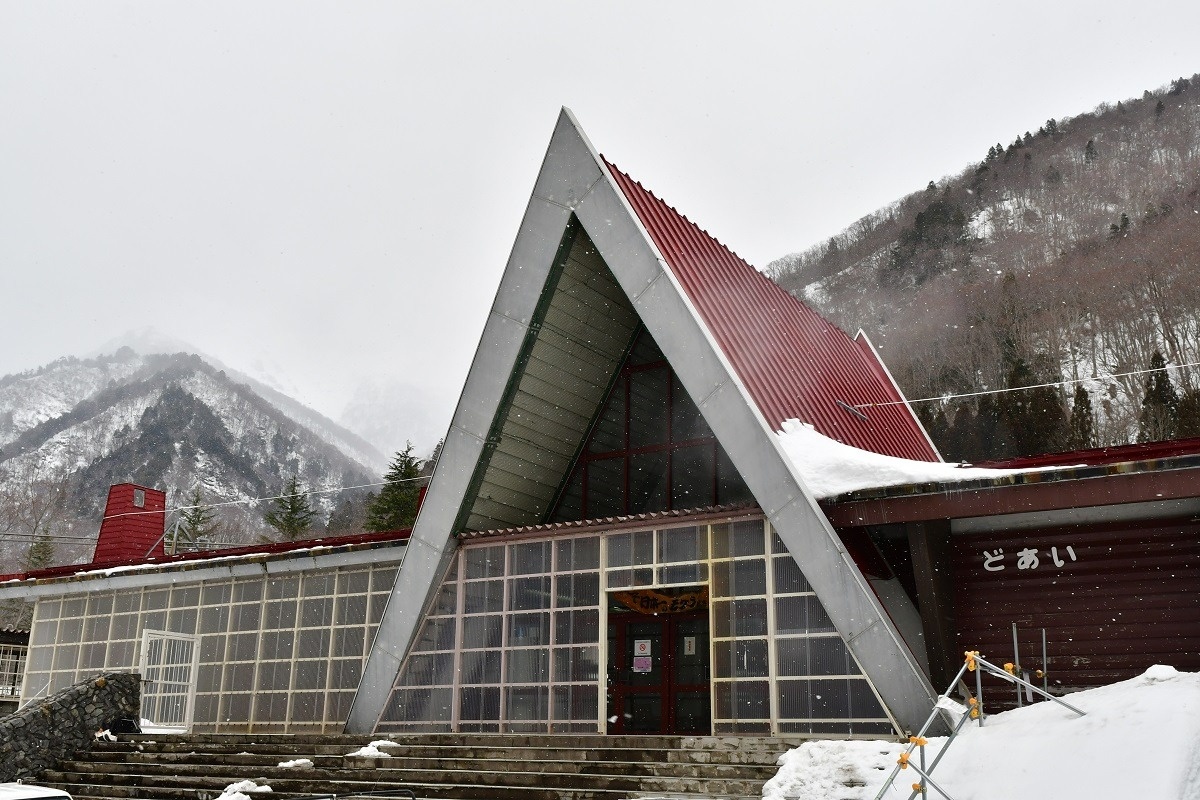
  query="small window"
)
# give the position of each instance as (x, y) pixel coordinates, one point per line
(139, 498)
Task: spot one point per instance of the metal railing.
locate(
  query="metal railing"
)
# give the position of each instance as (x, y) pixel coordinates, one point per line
(945, 706)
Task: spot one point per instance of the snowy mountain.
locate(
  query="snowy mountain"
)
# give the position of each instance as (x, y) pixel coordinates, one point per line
(174, 422)
(1067, 254)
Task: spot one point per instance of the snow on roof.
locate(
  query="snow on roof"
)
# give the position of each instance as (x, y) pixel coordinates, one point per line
(831, 468)
(1137, 740)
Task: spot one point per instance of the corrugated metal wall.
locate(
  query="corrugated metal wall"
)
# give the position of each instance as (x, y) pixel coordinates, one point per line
(1114, 599)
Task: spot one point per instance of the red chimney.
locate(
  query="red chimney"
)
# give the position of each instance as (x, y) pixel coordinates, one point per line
(134, 521)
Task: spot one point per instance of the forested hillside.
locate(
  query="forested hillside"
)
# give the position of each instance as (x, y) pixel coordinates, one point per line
(1068, 253)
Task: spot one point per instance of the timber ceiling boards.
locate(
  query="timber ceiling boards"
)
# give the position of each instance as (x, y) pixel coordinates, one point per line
(573, 352)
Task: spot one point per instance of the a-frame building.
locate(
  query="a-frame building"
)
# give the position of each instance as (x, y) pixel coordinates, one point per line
(613, 539)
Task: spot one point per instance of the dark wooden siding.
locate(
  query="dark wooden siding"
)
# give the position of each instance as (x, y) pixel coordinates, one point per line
(1130, 599)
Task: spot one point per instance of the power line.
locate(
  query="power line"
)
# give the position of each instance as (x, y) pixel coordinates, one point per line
(945, 397)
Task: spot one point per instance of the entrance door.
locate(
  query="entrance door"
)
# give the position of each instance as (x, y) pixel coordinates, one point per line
(658, 674)
(169, 678)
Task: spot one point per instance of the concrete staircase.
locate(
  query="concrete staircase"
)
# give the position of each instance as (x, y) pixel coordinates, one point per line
(433, 766)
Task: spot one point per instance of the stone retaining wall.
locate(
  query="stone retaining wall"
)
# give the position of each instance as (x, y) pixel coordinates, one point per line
(32, 739)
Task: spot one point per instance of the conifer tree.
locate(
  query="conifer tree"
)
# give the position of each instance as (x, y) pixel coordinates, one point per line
(993, 436)
(396, 506)
(1082, 434)
(197, 523)
(1034, 417)
(1189, 415)
(1089, 152)
(41, 553)
(290, 513)
(1160, 404)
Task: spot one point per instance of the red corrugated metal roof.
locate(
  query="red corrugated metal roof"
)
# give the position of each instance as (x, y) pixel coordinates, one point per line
(794, 363)
(265, 549)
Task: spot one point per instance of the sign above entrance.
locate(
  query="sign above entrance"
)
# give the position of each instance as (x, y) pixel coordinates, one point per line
(649, 601)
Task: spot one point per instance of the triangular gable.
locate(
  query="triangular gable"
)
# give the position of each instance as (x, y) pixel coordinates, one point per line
(794, 363)
(576, 188)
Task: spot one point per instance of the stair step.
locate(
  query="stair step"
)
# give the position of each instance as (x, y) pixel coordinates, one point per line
(434, 766)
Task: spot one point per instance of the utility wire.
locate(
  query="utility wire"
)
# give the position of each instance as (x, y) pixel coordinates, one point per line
(945, 397)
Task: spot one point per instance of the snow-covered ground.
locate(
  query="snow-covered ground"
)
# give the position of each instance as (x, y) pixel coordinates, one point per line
(1139, 740)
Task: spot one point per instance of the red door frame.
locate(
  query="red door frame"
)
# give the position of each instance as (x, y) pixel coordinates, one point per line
(620, 661)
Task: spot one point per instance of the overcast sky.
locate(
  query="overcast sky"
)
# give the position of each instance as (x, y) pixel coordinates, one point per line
(329, 191)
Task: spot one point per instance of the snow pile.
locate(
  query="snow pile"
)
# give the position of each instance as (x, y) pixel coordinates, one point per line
(831, 468)
(1138, 740)
(239, 790)
(373, 750)
(296, 763)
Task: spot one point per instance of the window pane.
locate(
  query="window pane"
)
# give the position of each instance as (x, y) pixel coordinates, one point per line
(730, 486)
(788, 577)
(481, 666)
(483, 596)
(528, 665)
(682, 544)
(577, 590)
(577, 554)
(648, 482)
(739, 578)
(527, 594)
(606, 487)
(484, 562)
(692, 476)
(528, 629)
(609, 434)
(686, 421)
(648, 407)
(482, 631)
(577, 627)
(529, 558)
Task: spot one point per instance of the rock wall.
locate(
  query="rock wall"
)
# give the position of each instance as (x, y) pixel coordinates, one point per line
(32, 739)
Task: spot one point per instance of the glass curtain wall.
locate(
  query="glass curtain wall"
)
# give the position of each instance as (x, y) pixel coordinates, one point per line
(518, 630)
(278, 653)
(649, 450)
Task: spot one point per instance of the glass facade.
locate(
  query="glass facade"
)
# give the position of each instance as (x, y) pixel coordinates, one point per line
(12, 668)
(649, 450)
(518, 630)
(278, 653)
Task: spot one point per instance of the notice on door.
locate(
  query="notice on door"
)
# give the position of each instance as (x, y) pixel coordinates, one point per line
(642, 661)
(689, 645)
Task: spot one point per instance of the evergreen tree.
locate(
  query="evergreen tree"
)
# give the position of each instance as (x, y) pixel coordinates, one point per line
(1159, 108)
(396, 506)
(1189, 415)
(41, 553)
(350, 516)
(291, 514)
(197, 523)
(1034, 418)
(1082, 434)
(1160, 403)
(963, 439)
(993, 436)
(1089, 152)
